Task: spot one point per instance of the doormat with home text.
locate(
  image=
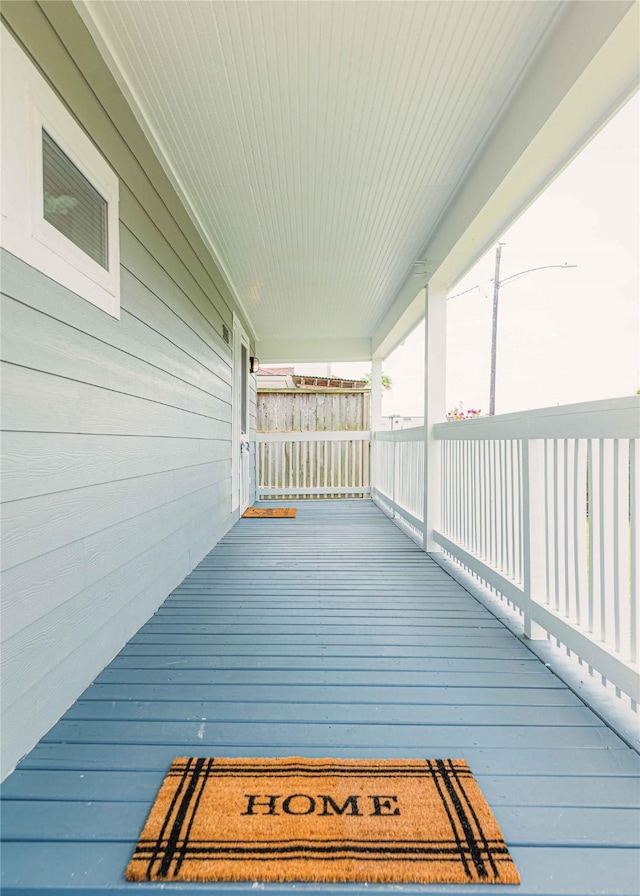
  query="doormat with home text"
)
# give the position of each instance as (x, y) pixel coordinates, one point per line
(273, 512)
(397, 821)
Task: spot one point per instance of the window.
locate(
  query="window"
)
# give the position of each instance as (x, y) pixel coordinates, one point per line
(59, 195)
(72, 205)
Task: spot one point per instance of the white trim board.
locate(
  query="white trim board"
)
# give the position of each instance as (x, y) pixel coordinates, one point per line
(29, 105)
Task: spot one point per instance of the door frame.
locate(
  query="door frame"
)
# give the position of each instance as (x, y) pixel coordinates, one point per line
(240, 408)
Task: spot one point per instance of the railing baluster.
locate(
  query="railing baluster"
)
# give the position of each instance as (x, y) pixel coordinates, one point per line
(367, 457)
(326, 464)
(444, 491)
(465, 494)
(463, 449)
(493, 503)
(620, 512)
(580, 535)
(550, 520)
(448, 491)
(295, 464)
(634, 541)
(455, 472)
(593, 477)
(313, 450)
(356, 463)
(520, 508)
(274, 451)
(533, 526)
(568, 530)
(486, 500)
(473, 497)
(555, 516)
(607, 557)
(481, 516)
(502, 529)
(511, 552)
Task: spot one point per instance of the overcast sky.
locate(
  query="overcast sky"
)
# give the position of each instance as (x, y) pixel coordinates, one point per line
(563, 335)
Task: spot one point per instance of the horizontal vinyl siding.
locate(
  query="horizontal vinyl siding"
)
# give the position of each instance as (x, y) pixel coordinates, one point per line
(116, 466)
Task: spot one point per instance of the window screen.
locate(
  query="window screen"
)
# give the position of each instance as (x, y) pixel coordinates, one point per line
(72, 205)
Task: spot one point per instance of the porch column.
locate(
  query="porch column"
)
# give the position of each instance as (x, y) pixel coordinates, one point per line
(435, 324)
(376, 394)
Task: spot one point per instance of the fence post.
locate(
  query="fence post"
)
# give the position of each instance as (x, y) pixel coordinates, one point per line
(435, 344)
(394, 471)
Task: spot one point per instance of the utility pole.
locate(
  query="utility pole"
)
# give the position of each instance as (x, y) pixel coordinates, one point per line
(497, 283)
(494, 332)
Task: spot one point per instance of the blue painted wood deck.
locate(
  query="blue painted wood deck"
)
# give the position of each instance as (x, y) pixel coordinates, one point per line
(329, 635)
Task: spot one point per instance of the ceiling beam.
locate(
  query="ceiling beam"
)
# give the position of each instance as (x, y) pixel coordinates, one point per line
(281, 351)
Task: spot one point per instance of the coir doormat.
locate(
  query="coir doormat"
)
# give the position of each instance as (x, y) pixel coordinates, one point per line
(273, 512)
(409, 820)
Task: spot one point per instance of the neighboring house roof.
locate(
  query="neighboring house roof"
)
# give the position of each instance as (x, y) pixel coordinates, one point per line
(275, 371)
(283, 379)
(329, 382)
(278, 379)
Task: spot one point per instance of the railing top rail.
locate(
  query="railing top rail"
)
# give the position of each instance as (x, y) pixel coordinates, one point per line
(612, 418)
(344, 435)
(411, 434)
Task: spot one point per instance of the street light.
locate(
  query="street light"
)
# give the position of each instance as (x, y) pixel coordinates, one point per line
(497, 283)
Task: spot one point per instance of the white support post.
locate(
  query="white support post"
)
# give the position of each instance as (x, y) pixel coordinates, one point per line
(435, 353)
(376, 418)
(376, 394)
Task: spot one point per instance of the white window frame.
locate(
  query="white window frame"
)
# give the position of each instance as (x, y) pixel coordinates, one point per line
(29, 105)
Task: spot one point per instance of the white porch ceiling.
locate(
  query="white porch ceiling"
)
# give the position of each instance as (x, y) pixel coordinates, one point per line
(320, 145)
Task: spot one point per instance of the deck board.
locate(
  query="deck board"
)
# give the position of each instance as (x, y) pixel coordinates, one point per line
(331, 634)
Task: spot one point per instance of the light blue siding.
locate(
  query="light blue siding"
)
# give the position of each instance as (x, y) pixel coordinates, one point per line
(116, 452)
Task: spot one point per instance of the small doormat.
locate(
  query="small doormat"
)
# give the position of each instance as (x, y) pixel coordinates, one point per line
(272, 512)
(408, 820)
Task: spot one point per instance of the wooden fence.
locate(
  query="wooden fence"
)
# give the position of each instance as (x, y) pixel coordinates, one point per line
(313, 411)
(313, 443)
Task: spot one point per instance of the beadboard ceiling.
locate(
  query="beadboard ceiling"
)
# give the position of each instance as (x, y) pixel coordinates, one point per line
(318, 145)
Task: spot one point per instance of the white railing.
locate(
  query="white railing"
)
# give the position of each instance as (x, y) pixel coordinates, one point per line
(313, 464)
(397, 476)
(542, 508)
(482, 500)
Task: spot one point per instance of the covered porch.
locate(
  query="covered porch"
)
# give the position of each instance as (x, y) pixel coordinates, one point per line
(291, 182)
(332, 634)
